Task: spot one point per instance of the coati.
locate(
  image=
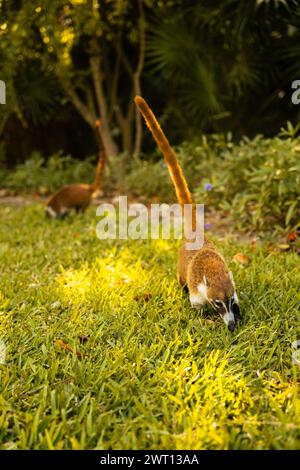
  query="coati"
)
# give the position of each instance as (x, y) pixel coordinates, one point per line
(203, 271)
(78, 196)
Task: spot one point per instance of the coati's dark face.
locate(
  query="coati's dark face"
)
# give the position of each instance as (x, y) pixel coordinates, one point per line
(229, 310)
(221, 295)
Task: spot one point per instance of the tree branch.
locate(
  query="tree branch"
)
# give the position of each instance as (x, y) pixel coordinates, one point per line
(123, 58)
(97, 80)
(114, 85)
(81, 107)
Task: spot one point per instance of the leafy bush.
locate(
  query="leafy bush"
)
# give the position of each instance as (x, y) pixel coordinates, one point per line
(258, 180)
(57, 171)
(149, 179)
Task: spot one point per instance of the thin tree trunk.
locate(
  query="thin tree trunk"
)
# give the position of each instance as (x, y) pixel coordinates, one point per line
(137, 81)
(126, 135)
(114, 83)
(81, 107)
(109, 143)
(125, 123)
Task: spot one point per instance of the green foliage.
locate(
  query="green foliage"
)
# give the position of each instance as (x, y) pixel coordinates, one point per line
(148, 179)
(32, 91)
(222, 62)
(57, 171)
(258, 181)
(36, 93)
(214, 65)
(152, 374)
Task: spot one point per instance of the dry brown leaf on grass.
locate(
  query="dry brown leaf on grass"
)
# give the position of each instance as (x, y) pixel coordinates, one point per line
(210, 322)
(62, 345)
(240, 258)
(146, 297)
(43, 191)
(283, 247)
(292, 236)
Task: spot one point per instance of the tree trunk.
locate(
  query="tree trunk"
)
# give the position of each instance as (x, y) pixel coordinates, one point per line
(109, 143)
(81, 107)
(125, 124)
(127, 135)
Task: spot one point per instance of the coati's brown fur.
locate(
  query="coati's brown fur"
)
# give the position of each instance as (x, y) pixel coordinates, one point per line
(203, 271)
(78, 196)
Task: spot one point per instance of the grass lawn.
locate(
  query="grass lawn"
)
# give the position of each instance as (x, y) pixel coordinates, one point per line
(145, 370)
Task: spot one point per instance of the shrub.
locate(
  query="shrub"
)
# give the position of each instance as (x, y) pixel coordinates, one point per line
(57, 171)
(258, 181)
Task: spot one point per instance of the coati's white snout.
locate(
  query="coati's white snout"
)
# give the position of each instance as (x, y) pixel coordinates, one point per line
(50, 212)
(228, 318)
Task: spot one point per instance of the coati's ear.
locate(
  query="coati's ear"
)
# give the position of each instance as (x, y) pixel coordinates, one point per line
(231, 278)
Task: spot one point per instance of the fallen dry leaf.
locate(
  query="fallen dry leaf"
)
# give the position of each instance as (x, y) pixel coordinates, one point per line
(271, 248)
(283, 247)
(292, 236)
(146, 297)
(62, 345)
(43, 190)
(240, 258)
(211, 322)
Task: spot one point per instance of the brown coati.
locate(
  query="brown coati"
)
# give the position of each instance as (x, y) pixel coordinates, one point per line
(202, 271)
(78, 196)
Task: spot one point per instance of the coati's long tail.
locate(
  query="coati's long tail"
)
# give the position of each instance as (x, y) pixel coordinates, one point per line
(181, 187)
(102, 157)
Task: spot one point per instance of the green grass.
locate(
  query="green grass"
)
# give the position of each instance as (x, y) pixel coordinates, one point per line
(153, 374)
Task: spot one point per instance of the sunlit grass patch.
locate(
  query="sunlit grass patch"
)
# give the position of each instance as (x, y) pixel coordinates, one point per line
(143, 369)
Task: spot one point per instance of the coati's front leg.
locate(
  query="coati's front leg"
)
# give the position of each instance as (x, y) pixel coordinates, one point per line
(79, 209)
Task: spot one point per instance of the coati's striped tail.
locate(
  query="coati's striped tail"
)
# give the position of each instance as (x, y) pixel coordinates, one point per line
(102, 157)
(182, 190)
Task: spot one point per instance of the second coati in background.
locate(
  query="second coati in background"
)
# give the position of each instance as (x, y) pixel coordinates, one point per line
(78, 196)
(203, 271)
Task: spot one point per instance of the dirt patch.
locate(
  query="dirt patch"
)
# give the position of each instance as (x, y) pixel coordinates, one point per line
(217, 223)
(20, 200)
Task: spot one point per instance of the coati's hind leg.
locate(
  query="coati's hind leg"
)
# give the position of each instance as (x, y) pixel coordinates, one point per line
(180, 279)
(185, 288)
(81, 208)
(182, 283)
